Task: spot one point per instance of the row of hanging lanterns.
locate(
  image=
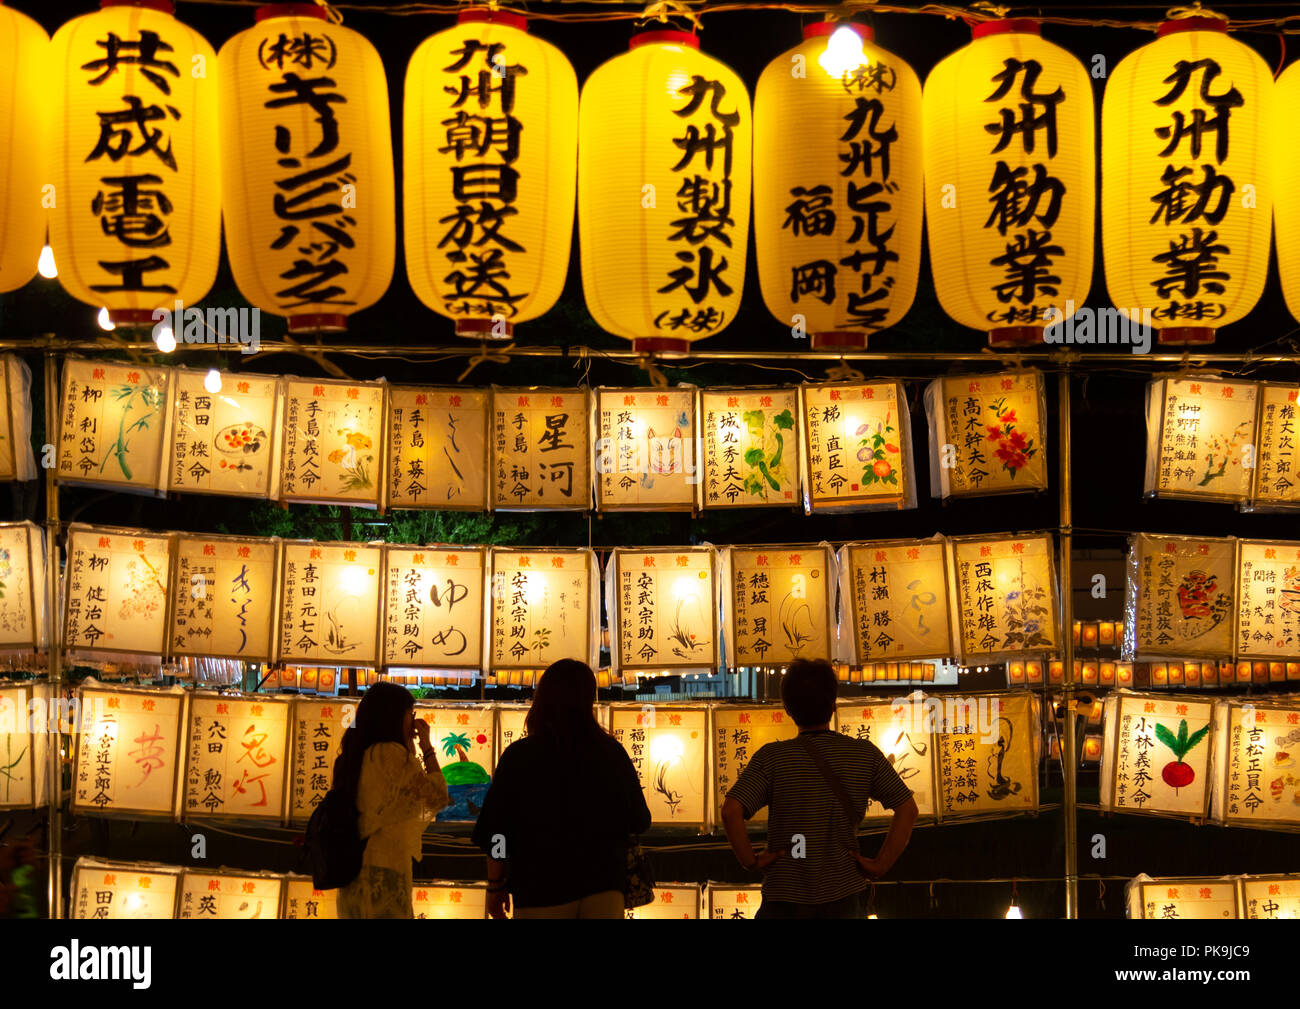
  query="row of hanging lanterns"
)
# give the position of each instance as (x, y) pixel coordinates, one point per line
(1002, 161)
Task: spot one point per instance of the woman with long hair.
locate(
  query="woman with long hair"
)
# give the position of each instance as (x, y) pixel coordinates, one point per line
(395, 795)
(563, 802)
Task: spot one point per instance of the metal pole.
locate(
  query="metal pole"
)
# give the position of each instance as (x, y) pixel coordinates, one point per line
(1069, 755)
(54, 642)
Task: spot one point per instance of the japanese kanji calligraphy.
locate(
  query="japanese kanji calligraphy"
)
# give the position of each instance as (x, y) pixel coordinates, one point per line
(1270, 896)
(544, 607)
(1200, 438)
(434, 606)
(732, 902)
(739, 730)
(318, 726)
(222, 443)
(1257, 778)
(988, 752)
(123, 890)
(751, 447)
(330, 603)
(22, 587)
(129, 751)
(223, 602)
(895, 596)
(857, 443)
(669, 748)
(1180, 598)
(904, 730)
(647, 450)
(238, 758)
(1206, 899)
(449, 900)
(224, 895)
(663, 609)
(1275, 475)
(113, 424)
(780, 604)
(675, 901)
(437, 448)
(986, 434)
(303, 900)
(1158, 754)
(541, 452)
(116, 591)
(333, 442)
(1006, 595)
(17, 460)
(1268, 599)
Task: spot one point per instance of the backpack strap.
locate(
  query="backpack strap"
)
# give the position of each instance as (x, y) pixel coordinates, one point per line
(832, 779)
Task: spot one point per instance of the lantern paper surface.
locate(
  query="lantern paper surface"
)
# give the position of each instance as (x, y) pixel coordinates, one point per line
(17, 460)
(903, 729)
(238, 763)
(1277, 459)
(434, 607)
(1180, 597)
(856, 445)
(1200, 438)
(224, 604)
(25, 116)
(739, 731)
(986, 434)
(540, 450)
(223, 895)
(1258, 750)
(1158, 754)
(894, 596)
(123, 890)
(674, 900)
(318, 727)
(1270, 896)
(669, 747)
(1268, 599)
(545, 607)
(303, 900)
(465, 737)
(222, 443)
(988, 751)
(779, 604)
(510, 725)
(116, 586)
(333, 442)
(1006, 595)
(663, 609)
(137, 220)
(449, 900)
(329, 603)
(663, 247)
(437, 448)
(113, 427)
(647, 450)
(490, 151)
(23, 741)
(837, 190)
(751, 447)
(1207, 899)
(22, 587)
(733, 901)
(130, 751)
(308, 195)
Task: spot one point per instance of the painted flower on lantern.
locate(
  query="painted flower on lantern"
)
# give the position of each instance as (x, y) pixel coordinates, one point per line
(873, 447)
(1013, 448)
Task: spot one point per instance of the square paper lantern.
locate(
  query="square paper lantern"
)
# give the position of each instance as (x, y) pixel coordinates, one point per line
(303, 900)
(668, 745)
(330, 603)
(1180, 597)
(545, 606)
(894, 600)
(17, 461)
(333, 451)
(856, 442)
(988, 754)
(733, 901)
(437, 448)
(221, 895)
(113, 425)
(130, 751)
(647, 450)
(1257, 761)
(123, 890)
(1007, 601)
(238, 760)
(779, 604)
(1277, 479)
(663, 610)
(510, 725)
(318, 727)
(739, 731)
(22, 587)
(1213, 898)
(904, 730)
(116, 592)
(1268, 599)
(1200, 438)
(449, 900)
(1157, 757)
(672, 900)
(464, 736)
(541, 450)
(1270, 896)
(223, 601)
(751, 447)
(24, 718)
(434, 604)
(223, 442)
(987, 433)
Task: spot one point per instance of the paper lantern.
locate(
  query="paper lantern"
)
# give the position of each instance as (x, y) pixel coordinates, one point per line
(779, 604)
(449, 900)
(1157, 755)
(733, 901)
(663, 245)
(987, 434)
(1275, 484)
(129, 759)
(333, 442)
(1268, 600)
(1185, 208)
(1010, 158)
(751, 447)
(647, 450)
(510, 725)
(856, 443)
(545, 607)
(330, 603)
(541, 450)
(222, 442)
(1200, 438)
(465, 737)
(434, 607)
(224, 895)
(238, 761)
(116, 587)
(1256, 770)
(223, 600)
(988, 753)
(1207, 898)
(668, 745)
(123, 890)
(437, 448)
(318, 727)
(490, 164)
(22, 588)
(895, 600)
(309, 206)
(17, 461)
(1270, 896)
(904, 730)
(739, 731)
(303, 900)
(113, 425)
(1179, 598)
(662, 605)
(24, 151)
(837, 187)
(1007, 600)
(24, 741)
(672, 900)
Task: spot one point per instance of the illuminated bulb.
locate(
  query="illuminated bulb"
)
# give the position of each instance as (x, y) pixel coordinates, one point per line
(1014, 910)
(873, 916)
(843, 52)
(134, 902)
(212, 381)
(105, 323)
(165, 339)
(45, 265)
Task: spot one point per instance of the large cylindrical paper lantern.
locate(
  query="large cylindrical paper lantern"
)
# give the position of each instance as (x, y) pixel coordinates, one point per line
(1286, 213)
(1009, 187)
(664, 142)
(1187, 185)
(136, 221)
(837, 185)
(24, 145)
(490, 163)
(309, 205)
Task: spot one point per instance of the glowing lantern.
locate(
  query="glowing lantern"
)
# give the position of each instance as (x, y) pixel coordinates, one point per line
(1180, 598)
(24, 720)
(739, 730)
(663, 246)
(309, 205)
(1255, 764)
(837, 209)
(238, 761)
(465, 737)
(222, 440)
(116, 592)
(904, 731)
(988, 753)
(647, 452)
(24, 145)
(1188, 188)
(123, 890)
(1010, 158)
(330, 603)
(490, 161)
(856, 442)
(437, 448)
(333, 442)
(434, 607)
(1007, 600)
(318, 727)
(751, 447)
(779, 603)
(1270, 896)
(1277, 458)
(673, 900)
(1157, 754)
(113, 424)
(22, 588)
(135, 223)
(223, 600)
(729, 902)
(541, 450)
(663, 610)
(895, 597)
(1207, 898)
(1268, 600)
(225, 895)
(449, 900)
(303, 900)
(545, 606)
(17, 461)
(1200, 438)
(668, 746)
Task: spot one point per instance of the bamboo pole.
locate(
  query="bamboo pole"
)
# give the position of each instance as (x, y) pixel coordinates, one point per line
(54, 642)
(1069, 757)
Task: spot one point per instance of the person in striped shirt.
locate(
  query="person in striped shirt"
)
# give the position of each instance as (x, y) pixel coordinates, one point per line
(813, 866)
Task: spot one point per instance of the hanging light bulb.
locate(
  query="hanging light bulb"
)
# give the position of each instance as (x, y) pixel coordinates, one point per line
(165, 339)
(212, 381)
(45, 265)
(1014, 910)
(105, 323)
(843, 52)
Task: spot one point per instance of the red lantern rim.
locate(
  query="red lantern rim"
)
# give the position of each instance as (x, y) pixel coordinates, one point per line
(162, 6)
(1006, 26)
(482, 329)
(290, 10)
(819, 28)
(318, 322)
(1191, 25)
(661, 36)
(1185, 335)
(1015, 336)
(132, 317)
(489, 16)
(833, 339)
(661, 346)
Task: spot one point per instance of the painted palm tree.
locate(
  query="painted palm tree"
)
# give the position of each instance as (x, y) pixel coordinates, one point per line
(456, 743)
